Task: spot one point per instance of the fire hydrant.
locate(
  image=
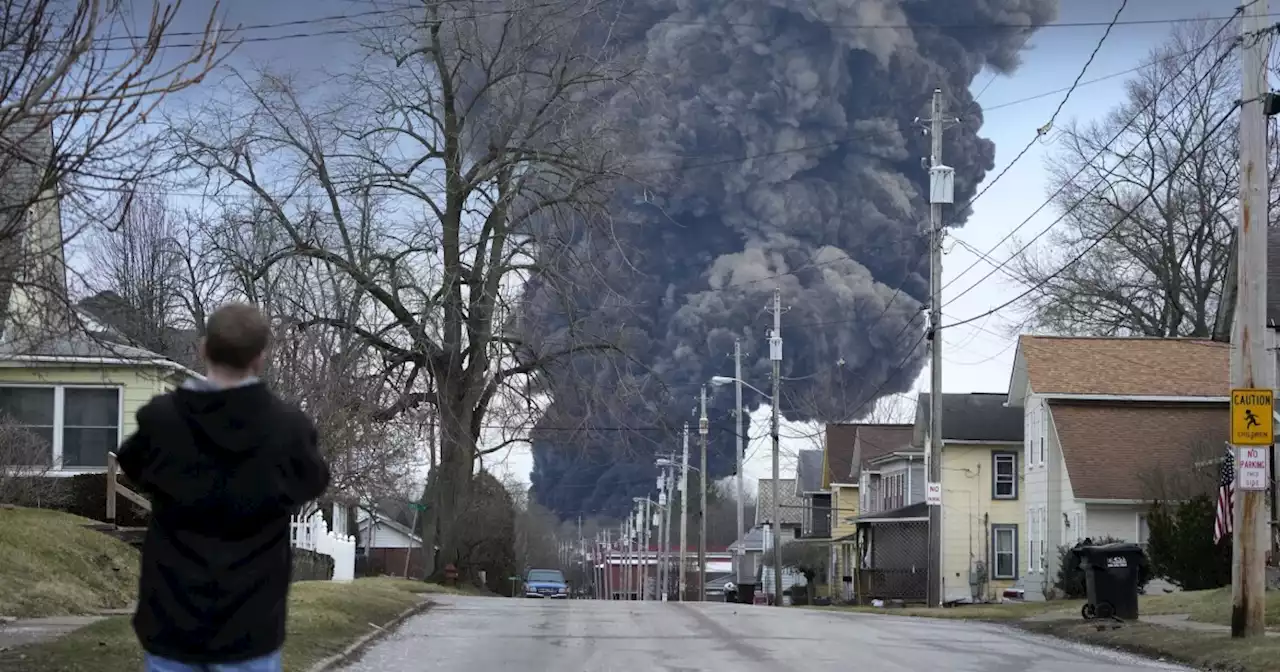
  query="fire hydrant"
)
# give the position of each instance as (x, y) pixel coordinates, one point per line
(451, 574)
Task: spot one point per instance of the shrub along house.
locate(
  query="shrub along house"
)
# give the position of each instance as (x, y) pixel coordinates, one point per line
(1104, 419)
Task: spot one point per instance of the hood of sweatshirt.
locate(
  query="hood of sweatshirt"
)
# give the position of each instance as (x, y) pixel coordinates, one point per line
(228, 418)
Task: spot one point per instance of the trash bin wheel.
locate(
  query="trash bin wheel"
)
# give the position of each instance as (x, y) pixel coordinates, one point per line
(1088, 612)
(1106, 610)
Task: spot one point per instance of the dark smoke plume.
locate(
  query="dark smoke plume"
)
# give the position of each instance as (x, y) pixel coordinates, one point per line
(692, 256)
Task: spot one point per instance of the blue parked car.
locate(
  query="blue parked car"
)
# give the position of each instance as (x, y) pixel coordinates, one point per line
(547, 584)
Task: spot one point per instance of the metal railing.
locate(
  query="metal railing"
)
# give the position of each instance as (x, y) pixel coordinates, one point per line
(115, 488)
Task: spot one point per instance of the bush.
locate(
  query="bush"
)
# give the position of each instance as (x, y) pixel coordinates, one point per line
(84, 495)
(1070, 582)
(1181, 544)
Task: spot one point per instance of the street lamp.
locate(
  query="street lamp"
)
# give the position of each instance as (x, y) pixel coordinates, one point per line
(776, 515)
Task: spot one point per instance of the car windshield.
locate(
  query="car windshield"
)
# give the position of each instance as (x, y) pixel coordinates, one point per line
(549, 575)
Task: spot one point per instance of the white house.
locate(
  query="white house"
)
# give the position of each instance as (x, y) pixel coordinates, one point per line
(1102, 416)
(388, 546)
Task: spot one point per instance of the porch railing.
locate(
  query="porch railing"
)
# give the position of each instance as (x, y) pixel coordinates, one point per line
(115, 488)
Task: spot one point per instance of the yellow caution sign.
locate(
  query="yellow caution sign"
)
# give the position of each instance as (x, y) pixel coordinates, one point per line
(1251, 417)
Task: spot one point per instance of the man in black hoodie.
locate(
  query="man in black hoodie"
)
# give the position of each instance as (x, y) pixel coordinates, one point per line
(225, 464)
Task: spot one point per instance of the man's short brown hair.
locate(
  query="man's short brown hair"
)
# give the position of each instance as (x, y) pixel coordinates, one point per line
(235, 335)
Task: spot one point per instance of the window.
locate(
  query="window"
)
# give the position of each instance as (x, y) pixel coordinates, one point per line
(1144, 532)
(1042, 428)
(1004, 551)
(1004, 476)
(76, 426)
(30, 412)
(1033, 539)
(1044, 538)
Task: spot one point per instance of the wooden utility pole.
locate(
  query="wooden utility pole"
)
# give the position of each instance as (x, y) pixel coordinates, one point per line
(1251, 368)
(941, 192)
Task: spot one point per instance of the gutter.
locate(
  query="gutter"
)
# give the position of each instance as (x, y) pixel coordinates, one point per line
(102, 361)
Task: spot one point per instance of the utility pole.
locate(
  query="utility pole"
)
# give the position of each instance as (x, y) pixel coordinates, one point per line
(644, 547)
(941, 188)
(684, 510)
(666, 538)
(775, 356)
(663, 503)
(702, 503)
(1250, 368)
(741, 457)
(626, 558)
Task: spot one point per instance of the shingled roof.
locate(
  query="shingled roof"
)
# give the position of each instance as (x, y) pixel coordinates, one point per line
(125, 325)
(878, 440)
(1098, 442)
(1156, 367)
(791, 511)
(972, 416)
(808, 471)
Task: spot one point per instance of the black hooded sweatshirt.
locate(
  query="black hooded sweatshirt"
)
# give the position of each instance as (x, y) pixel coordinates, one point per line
(224, 469)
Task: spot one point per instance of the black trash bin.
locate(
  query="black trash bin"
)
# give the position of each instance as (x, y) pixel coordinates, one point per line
(1112, 573)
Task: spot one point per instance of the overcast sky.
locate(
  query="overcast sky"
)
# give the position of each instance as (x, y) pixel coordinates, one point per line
(976, 357)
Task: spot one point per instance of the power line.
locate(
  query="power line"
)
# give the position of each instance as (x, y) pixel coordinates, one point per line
(1041, 131)
(1105, 147)
(1106, 234)
(955, 26)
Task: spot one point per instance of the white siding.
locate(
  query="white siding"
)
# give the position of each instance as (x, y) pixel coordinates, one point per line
(385, 537)
(1038, 493)
(1114, 520)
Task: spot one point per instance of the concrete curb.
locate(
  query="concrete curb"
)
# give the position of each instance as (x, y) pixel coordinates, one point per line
(359, 645)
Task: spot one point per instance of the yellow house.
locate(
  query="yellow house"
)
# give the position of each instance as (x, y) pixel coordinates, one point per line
(79, 396)
(983, 517)
(68, 382)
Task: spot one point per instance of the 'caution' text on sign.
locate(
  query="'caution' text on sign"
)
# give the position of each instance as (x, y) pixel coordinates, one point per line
(1251, 419)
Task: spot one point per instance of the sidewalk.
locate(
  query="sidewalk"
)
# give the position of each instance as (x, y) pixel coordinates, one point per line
(24, 631)
(1184, 622)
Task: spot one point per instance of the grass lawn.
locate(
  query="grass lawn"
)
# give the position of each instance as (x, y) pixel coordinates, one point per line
(51, 565)
(1005, 611)
(1208, 606)
(1203, 650)
(324, 618)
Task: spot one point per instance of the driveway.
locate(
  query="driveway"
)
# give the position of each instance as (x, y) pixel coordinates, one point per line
(516, 635)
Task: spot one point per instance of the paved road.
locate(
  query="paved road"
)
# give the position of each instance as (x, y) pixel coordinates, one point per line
(513, 635)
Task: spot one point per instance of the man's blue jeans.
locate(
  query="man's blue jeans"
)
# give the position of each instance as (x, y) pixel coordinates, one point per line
(269, 663)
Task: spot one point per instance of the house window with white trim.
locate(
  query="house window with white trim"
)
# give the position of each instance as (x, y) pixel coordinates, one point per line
(1004, 552)
(72, 426)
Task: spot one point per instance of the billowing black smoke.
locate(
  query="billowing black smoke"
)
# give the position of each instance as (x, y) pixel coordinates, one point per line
(822, 94)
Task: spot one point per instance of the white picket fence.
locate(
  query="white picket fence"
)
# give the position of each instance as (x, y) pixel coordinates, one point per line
(310, 532)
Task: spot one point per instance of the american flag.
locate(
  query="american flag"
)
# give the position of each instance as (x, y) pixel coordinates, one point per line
(1224, 512)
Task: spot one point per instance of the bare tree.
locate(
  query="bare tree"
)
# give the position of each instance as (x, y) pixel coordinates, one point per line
(473, 143)
(75, 93)
(333, 374)
(892, 409)
(1158, 271)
